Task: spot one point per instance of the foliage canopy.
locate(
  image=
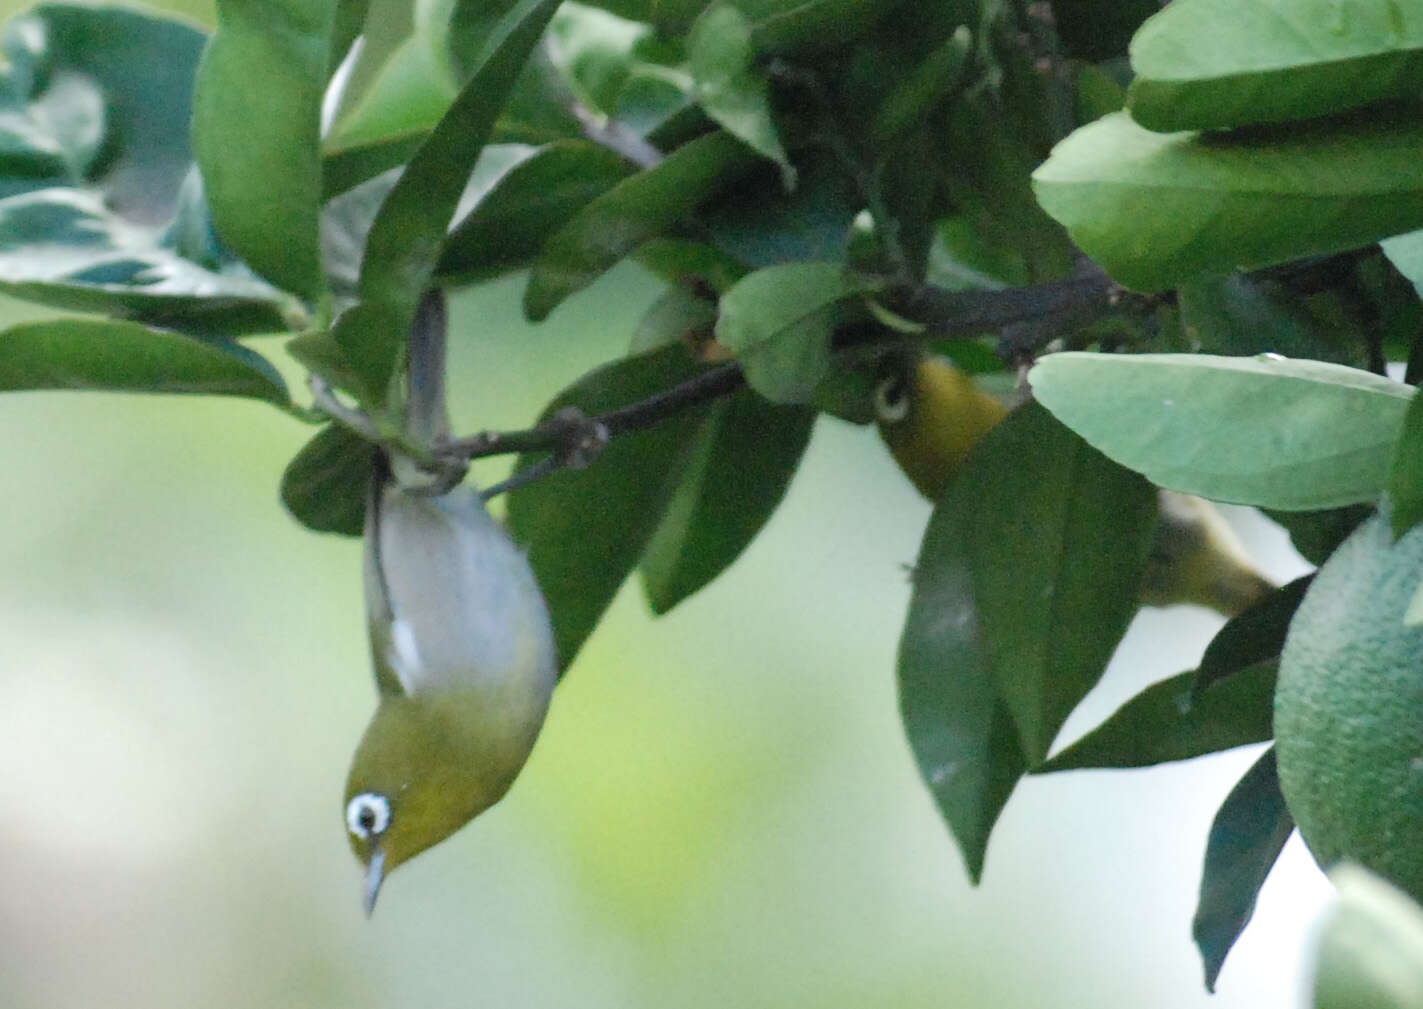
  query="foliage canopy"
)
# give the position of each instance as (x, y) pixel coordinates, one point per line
(823, 185)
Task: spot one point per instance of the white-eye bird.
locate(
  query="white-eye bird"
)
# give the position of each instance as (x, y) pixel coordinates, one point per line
(1197, 558)
(460, 639)
(931, 415)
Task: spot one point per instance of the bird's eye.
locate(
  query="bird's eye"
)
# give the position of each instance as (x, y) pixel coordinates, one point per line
(367, 815)
(892, 399)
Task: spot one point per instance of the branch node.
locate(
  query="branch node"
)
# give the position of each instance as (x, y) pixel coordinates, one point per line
(581, 439)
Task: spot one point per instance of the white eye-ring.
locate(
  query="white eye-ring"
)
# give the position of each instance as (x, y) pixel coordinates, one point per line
(367, 815)
(891, 400)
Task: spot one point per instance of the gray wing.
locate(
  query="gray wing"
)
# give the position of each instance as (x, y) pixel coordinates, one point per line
(379, 617)
(451, 600)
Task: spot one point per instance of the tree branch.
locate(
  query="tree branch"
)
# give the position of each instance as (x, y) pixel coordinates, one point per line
(720, 381)
(575, 440)
(971, 313)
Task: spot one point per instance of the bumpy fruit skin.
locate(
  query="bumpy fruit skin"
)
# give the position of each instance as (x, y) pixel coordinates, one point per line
(1349, 708)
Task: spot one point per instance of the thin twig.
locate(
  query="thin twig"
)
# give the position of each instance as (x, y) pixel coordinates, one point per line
(546, 466)
(576, 439)
(720, 381)
(949, 314)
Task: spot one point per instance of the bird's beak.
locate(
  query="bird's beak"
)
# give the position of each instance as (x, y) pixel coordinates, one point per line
(375, 875)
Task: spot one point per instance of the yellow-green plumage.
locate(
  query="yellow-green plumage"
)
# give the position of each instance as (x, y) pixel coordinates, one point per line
(464, 660)
(460, 639)
(1197, 558)
(932, 415)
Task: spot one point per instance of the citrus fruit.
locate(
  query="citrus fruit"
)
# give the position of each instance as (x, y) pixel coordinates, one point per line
(1349, 708)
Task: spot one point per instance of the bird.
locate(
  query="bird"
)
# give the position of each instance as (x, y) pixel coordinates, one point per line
(461, 643)
(931, 416)
(1196, 558)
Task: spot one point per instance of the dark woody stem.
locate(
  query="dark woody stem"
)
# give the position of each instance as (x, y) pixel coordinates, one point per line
(574, 440)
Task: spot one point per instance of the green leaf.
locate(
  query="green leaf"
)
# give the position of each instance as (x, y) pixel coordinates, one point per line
(679, 314)
(962, 735)
(885, 59)
(1157, 209)
(142, 66)
(671, 17)
(113, 356)
(961, 259)
(798, 26)
(739, 468)
(1096, 94)
(1279, 60)
(405, 99)
(653, 98)
(758, 223)
(256, 132)
(679, 261)
(190, 232)
(325, 485)
(1371, 947)
(346, 219)
(1099, 29)
(1405, 252)
(1275, 433)
(1246, 836)
(1405, 477)
(53, 137)
(405, 240)
(343, 170)
(345, 223)
(1238, 314)
(540, 106)
(729, 85)
(990, 178)
(470, 26)
(596, 53)
(510, 223)
(585, 529)
(1379, 305)
(924, 89)
(346, 24)
(319, 352)
(778, 321)
(384, 26)
(1057, 537)
(64, 248)
(633, 211)
(849, 394)
(1172, 720)
(911, 199)
(1254, 636)
(1316, 534)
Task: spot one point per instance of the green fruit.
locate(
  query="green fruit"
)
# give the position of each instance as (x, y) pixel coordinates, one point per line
(1349, 708)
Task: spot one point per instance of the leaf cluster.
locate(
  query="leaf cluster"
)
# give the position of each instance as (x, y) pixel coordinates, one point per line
(826, 187)
(1282, 145)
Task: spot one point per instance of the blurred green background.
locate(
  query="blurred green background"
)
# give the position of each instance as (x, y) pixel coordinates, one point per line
(722, 810)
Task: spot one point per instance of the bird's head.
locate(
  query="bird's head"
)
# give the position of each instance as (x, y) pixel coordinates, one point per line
(425, 767)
